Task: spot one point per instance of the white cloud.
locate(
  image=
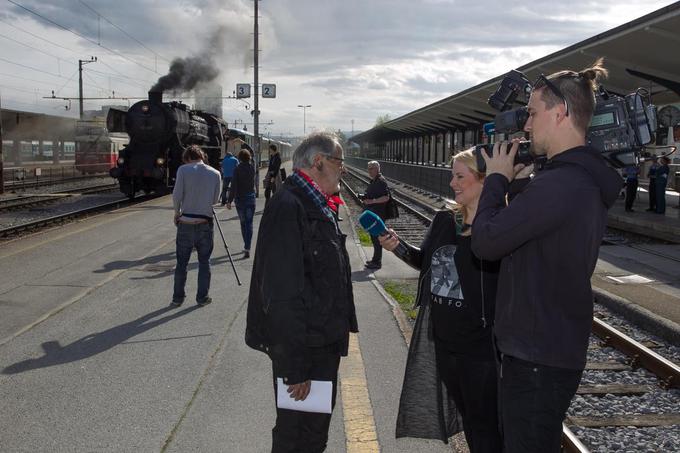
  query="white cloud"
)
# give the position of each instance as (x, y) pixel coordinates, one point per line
(349, 60)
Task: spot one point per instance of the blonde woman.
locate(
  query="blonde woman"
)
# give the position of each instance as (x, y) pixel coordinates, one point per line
(451, 371)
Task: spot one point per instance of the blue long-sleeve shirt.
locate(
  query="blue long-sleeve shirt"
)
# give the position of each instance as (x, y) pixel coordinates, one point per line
(229, 163)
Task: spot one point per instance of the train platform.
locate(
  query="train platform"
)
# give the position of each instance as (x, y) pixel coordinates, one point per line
(93, 359)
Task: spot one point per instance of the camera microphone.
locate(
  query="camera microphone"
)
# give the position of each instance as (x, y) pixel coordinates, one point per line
(375, 226)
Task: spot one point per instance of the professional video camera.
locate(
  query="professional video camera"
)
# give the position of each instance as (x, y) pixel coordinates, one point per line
(620, 128)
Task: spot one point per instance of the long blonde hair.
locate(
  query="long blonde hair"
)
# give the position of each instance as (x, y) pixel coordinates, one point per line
(468, 159)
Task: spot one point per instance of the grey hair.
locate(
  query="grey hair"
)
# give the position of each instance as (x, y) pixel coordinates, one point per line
(373, 163)
(317, 143)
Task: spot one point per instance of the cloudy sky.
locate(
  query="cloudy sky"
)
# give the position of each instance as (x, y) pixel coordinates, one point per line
(349, 60)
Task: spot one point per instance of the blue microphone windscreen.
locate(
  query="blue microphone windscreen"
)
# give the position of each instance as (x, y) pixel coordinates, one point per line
(372, 223)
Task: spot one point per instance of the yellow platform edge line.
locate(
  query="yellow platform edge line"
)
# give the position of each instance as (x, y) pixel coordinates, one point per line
(360, 429)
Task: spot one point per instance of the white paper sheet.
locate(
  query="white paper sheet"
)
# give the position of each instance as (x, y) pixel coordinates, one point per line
(318, 400)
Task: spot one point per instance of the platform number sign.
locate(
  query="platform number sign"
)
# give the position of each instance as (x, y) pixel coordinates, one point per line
(242, 90)
(268, 90)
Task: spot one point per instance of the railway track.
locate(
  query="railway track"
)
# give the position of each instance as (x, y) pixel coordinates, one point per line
(32, 201)
(13, 185)
(26, 227)
(618, 368)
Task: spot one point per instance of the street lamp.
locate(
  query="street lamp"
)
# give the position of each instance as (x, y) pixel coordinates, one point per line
(304, 118)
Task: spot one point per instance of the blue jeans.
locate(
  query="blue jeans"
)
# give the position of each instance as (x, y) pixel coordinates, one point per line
(199, 236)
(226, 182)
(245, 207)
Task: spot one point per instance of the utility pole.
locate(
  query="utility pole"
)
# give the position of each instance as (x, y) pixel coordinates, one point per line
(80, 81)
(256, 112)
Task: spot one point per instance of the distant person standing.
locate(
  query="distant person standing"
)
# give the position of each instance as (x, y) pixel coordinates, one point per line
(375, 200)
(631, 173)
(651, 175)
(229, 163)
(243, 192)
(661, 181)
(273, 178)
(197, 189)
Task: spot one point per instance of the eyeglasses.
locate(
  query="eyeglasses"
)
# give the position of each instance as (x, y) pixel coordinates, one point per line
(543, 81)
(337, 159)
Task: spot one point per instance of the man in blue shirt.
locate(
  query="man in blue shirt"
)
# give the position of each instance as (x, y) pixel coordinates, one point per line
(228, 164)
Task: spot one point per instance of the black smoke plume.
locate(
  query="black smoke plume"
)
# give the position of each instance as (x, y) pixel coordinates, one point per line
(186, 73)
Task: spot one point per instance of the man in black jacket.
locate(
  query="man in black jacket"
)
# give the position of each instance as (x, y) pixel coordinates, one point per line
(376, 198)
(301, 307)
(273, 177)
(548, 238)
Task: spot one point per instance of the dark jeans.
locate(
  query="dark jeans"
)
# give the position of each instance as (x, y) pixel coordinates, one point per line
(534, 402)
(270, 189)
(245, 207)
(474, 388)
(631, 192)
(652, 194)
(200, 237)
(226, 183)
(377, 250)
(306, 432)
(660, 198)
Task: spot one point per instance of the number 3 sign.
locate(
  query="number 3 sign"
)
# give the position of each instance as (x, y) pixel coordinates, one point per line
(242, 90)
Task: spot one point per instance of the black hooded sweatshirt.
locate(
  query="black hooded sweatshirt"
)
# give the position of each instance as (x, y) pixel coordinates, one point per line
(548, 238)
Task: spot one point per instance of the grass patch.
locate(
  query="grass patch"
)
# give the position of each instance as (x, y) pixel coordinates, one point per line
(364, 238)
(404, 292)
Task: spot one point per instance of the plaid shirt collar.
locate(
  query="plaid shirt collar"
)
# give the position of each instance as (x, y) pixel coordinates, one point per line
(314, 192)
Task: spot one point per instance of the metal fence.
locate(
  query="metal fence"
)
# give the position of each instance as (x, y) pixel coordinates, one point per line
(431, 179)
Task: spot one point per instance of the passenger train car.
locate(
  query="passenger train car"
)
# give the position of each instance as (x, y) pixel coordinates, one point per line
(159, 133)
(96, 150)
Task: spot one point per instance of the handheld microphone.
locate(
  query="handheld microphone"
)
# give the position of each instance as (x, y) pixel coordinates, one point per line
(375, 226)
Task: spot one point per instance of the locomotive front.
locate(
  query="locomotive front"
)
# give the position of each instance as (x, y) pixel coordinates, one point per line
(153, 155)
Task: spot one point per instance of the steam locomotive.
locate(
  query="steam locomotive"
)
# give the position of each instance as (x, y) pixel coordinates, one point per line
(159, 133)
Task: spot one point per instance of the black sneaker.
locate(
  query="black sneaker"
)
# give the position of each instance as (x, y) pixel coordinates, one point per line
(373, 265)
(176, 303)
(204, 302)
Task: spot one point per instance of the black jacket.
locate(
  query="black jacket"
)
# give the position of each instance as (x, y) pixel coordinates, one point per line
(549, 238)
(243, 181)
(377, 188)
(274, 165)
(301, 287)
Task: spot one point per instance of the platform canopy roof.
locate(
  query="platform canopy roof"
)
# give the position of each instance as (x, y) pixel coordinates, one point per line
(640, 53)
(20, 125)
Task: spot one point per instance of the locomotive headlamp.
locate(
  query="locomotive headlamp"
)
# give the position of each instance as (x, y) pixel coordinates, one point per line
(160, 161)
(145, 108)
(121, 161)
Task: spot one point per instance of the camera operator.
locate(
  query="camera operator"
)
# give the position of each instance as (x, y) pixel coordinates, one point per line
(548, 238)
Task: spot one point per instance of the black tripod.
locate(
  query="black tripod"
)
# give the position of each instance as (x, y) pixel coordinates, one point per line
(217, 222)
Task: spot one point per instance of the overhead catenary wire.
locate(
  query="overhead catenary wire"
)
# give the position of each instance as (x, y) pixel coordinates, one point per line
(81, 36)
(38, 37)
(36, 49)
(124, 32)
(61, 59)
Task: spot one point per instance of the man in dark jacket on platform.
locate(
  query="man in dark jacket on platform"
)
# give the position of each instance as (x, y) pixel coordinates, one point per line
(548, 238)
(301, 307)
(375, 199)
